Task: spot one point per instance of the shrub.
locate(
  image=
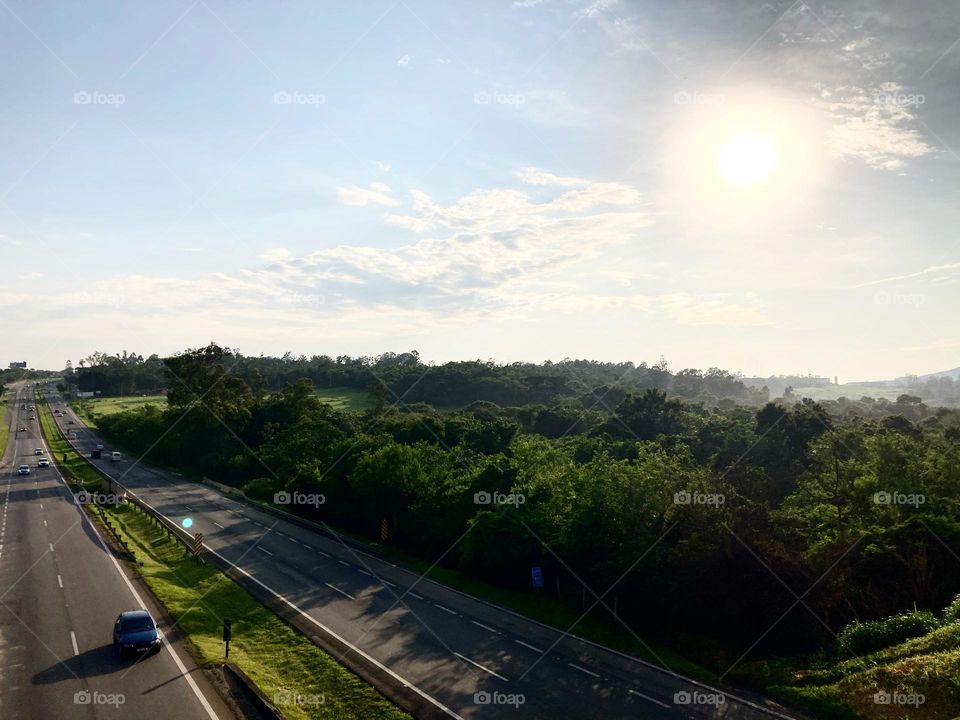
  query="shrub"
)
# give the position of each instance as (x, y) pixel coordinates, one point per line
(261, 489)
(865, 637)
(951, 613)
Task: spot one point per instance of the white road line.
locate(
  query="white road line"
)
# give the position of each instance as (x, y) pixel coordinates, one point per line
(218, 524)
(584, 670)
(45, 523)
(418, 597)
(387, 582)
(59, 581)
(51, 547)
(529, 646)
(264, 550)
(73, 639)
(188, 508)
(344, 562)
(321, 552)
(332, 587)
(41, 506)
(364, 572)
(485, 627)
(647, 697)
(446, 609)
(487, 670)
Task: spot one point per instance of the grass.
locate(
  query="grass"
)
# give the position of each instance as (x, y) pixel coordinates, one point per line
(851, 391)
(90, 410)
(277, 657)
(4, 424)
(844, 689)
(345, 398)
(75, 469)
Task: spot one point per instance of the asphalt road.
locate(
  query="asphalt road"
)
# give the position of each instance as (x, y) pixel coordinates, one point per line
(447, 645)
(60, 593)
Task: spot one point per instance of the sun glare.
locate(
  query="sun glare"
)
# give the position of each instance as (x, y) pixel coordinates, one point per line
(748, 159)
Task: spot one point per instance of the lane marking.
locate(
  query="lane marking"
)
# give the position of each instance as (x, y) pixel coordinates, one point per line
(647, 697)
(321, 552)
(51, 547)
(45, 523)
(485, 627)
(446, 609)
(529, 646)
(418, 597)
(364, 572)
(344, 562)
(218, 525)
(333, 587)
(73, 639)
(584, 670)
(487, 670)
(59, 581)
(261, 549)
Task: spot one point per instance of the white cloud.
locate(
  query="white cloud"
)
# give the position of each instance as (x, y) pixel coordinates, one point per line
(535, 176)
(277, 254)
(404, 61)
(377, 194)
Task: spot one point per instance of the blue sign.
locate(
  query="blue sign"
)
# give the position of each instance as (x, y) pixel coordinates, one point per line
(536, 575)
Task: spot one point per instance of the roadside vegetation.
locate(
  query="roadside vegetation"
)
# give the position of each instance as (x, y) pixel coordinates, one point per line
(4, 421)
(75, 469)
(698, 512)
(282, 662)
(94, 408)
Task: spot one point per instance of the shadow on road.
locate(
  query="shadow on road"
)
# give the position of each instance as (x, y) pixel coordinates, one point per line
(91, 663)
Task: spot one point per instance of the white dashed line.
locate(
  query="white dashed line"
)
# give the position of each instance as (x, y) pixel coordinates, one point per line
(73, 639)
(487, 670)
(485, 627)
(59, 581)
(364, 572)
(446, 609)
(583, 670)
(264, 550)
(344, 562)
(647, 697)
(529, 646)
(321, 552)
(218, 525)
(332, 587)
(51, 547)
(418, 597)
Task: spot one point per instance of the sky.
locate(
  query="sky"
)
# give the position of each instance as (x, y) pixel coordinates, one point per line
(763, 187)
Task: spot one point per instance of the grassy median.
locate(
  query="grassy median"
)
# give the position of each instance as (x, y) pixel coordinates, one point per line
(75, 469)
(278, 658)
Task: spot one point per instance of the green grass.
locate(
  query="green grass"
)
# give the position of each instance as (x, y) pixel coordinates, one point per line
(345, 398)
(844, 688)
(273, 654)
(90, 410)
(4, 424)
(75, 469)
(851, 391)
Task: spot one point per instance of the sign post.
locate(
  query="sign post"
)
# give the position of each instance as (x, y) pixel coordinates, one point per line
(198, 546)
(227, 632)
(536, 577)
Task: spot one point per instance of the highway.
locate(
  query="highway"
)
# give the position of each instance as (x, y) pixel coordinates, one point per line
(60, 592)
(468, 658)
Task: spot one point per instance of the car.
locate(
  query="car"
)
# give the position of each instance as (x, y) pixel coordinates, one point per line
(38, 451)
(114, 456)
(33, 417)
(22, 429)
(23, 470)
(43, 462)
(135, 631)
(99, 446)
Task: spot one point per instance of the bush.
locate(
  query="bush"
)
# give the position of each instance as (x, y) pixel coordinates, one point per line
(875, 635)
(261, 489)
(951, 613)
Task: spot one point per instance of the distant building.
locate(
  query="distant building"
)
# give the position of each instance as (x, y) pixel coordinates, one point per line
(22, 365)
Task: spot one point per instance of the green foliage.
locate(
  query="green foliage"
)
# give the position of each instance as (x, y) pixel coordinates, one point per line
(951, 613)
(866, 637)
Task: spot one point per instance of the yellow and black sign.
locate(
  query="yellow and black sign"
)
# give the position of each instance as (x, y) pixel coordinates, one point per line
(197, 543)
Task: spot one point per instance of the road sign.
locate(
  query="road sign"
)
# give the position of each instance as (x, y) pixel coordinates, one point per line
(227, 632)
(536, 575)
(197, 543)
(384, 530)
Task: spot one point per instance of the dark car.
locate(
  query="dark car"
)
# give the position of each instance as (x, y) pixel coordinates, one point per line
(135, 632)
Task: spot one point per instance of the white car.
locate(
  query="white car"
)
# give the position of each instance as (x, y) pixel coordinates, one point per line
(43, 462)
(23, 470)
(38, 451)
(114, 456)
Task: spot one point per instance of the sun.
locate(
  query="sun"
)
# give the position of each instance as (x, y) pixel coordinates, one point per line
(748, 159)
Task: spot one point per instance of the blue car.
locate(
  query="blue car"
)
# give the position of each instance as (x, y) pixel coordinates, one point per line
(135, 632)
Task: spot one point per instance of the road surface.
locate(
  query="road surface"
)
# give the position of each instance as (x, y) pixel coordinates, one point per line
(60, 593)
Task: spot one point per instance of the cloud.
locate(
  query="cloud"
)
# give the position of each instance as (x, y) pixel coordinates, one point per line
(377, 194)
(876, 126)
(926, 271)
(533, 176)
(278, 254)
(404, 61)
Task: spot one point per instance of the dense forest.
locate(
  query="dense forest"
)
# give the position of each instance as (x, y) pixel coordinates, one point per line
(700, 513)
